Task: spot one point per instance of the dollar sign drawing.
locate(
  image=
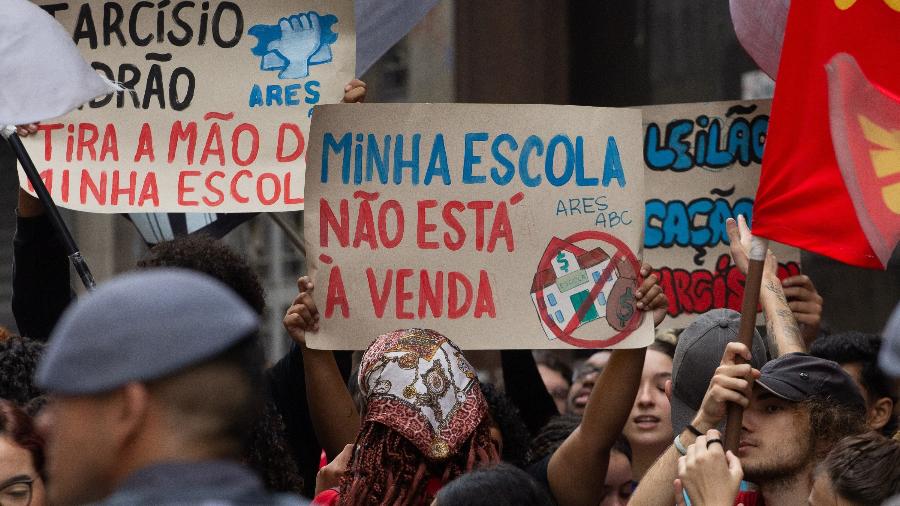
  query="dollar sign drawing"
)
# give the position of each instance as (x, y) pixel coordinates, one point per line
(563, 261)
(626, 309)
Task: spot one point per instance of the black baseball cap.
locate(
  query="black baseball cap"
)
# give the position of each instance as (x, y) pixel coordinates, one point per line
(797, 377)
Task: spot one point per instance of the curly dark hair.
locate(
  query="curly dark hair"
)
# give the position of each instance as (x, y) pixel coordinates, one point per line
(830, 421)
(506, 417)
(269, 454)
(497, 485)
(864, 469)
(18, 361)
(202, 253)
(551, 437)
(857, 347)
(18, 426)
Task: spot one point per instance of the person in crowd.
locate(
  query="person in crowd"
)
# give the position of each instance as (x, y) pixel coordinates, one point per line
(18, 361)
(618, 485)
(583, 379)
(573, 470)
(552, 435)
(425, 421)
(707, 473)
(497, 485)
(507, 427)
(859, 470)
(42, 291)
(805, 303)
(783, 336)
(889, 362)
(21, 459)
(698, 354)
(649, 425)
(557, 378)
(795, 409)
(154, 382)
(857, 353)
(270, 455)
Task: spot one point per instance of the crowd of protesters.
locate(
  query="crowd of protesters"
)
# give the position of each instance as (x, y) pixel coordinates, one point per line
(153, 390)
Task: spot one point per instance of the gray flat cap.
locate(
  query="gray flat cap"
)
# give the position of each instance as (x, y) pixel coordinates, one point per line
(698, 354)
(142, 326)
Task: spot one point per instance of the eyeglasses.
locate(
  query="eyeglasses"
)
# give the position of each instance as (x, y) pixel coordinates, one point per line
(17, 493)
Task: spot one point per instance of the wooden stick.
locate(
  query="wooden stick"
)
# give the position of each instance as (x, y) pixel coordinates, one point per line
(758, 249)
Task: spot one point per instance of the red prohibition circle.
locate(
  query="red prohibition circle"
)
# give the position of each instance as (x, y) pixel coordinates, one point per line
(622, 251)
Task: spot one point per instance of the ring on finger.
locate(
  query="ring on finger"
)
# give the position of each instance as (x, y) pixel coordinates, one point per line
(713, 441)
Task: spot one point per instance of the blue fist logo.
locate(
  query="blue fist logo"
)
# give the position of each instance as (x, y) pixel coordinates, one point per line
(295, 43)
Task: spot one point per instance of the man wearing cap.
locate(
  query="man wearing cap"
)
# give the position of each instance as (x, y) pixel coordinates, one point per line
(796, 408)
(154, 380)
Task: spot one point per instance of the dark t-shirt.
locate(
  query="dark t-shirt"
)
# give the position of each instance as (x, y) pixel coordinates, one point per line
(538, 471)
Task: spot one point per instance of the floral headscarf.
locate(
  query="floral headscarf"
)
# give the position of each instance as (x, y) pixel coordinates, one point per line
(418, 383)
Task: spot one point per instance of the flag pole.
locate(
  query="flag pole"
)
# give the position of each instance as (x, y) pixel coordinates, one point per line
(735, 413)
(81, 266)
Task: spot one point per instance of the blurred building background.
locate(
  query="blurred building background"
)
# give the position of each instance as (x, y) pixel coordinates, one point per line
(543, 51)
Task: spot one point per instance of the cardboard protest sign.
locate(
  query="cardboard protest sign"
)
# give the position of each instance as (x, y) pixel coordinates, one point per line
(703, 164)
(500, 226)
(218, 115)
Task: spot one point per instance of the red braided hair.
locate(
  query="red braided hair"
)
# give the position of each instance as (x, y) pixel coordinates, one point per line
(387, 469)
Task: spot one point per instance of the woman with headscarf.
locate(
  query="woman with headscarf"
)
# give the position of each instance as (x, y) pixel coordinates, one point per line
(425, 420)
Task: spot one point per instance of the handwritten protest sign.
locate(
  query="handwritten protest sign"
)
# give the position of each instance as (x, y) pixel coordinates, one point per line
(703, 163)
(219, 113)
(499, 226)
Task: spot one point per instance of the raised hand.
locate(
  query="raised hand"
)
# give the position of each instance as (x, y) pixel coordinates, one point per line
(354, 92)
(732, 383)
(650, 296)
(301, 37)
(303, 315)
(710, 475)
(330, 475)
(739, 238)
(26, 130)
(806, 304)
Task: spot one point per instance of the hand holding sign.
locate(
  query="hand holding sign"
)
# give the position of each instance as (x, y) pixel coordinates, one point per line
(650, 296)
(303, 315)
(354, 92)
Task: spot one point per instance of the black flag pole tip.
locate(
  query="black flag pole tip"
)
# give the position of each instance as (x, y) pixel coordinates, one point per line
(62, 230)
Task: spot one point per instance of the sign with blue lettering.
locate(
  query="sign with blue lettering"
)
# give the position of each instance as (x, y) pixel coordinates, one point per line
(460, 218)
(702, 167)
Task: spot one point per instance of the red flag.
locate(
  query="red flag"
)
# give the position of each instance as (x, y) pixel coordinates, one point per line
(803, 199)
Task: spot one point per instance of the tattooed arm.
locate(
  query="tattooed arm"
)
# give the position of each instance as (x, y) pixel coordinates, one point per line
(783, 335)
(782, 332)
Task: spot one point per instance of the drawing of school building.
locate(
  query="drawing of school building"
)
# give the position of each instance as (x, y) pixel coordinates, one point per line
(568, 282)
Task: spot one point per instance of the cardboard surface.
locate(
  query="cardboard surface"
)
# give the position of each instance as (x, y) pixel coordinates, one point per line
(219, 114)
(703, 164)
(500, 226)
